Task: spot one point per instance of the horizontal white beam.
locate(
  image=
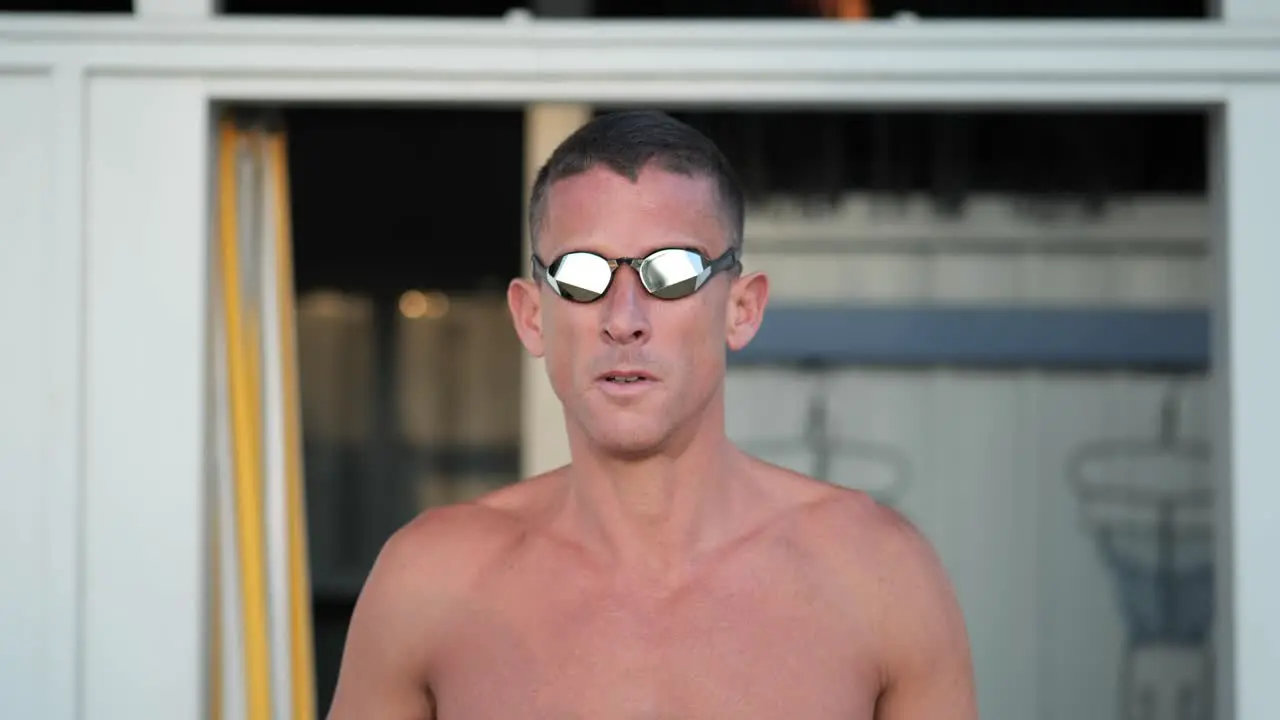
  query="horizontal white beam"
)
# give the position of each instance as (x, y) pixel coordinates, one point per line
(605, 32)
(674, 62)
(671, 92)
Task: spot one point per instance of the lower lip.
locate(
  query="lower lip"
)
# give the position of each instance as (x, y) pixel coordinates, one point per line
(625, 389)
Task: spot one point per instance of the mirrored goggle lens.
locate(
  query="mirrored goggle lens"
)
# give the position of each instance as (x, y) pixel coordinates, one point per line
(581, 276)
(671, 274)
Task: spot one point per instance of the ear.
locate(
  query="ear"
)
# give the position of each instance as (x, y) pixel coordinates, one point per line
(524, 298)
(747, 298)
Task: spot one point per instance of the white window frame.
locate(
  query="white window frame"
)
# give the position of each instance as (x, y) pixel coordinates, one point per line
(121, 302)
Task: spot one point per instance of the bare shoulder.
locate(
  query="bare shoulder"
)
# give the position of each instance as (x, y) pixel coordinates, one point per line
(440, 552)
(925, 656)
(878, 543)
(839, 523)
(910, 587)
(424, 574)
(434, 560)
(446, 548)
(882, 567)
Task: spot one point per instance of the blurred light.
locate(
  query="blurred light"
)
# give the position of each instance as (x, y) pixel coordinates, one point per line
(327, 304)
(416, 305)
(413, 304)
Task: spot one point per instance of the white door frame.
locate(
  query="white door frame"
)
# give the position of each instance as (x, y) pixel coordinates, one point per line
(118, 301)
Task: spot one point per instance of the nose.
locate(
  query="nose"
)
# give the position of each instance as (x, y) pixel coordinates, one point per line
(625, 312)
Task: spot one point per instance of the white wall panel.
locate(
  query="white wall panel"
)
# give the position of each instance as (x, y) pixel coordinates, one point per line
(1173, 280)
(1247, 10)
(144, 526)
(969, 279)
(986, 280)
(1148, 253)
(28, 608)
(1069, 280)
(828, 277)
(1248, 353)
(1135, 281)
(65, 321)
(989, 484)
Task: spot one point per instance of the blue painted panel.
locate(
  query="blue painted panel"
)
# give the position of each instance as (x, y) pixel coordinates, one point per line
(1176, 340)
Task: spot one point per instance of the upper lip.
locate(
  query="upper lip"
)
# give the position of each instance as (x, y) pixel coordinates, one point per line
(626, 373)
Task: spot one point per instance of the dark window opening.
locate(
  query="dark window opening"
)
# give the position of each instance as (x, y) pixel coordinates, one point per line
(398, 198)
(1086, 156)
(407, 227)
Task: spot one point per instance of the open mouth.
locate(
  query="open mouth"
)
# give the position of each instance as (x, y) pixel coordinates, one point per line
(624, 379)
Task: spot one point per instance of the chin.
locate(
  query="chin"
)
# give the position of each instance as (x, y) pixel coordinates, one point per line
(628, 440)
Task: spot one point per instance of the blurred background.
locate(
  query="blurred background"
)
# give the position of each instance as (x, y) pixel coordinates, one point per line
(987, 319)
(995, 321)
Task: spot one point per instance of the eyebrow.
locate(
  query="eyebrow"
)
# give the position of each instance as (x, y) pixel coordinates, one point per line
(694, 246)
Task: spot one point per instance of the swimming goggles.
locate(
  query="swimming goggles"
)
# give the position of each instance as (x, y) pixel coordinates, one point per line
(668, 274)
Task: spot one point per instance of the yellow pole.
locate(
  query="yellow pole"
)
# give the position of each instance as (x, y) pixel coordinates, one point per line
(242, 371)
(215, 636)
(302, 650)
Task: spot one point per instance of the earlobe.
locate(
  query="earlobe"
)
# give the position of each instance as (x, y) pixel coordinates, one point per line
(746, 309)
(525, 303)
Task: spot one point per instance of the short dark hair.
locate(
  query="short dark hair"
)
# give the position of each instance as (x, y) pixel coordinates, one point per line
(626, 142)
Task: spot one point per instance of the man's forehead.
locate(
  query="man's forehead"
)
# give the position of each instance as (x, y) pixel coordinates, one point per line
(659, 209)
(598, 195)
(653, 179)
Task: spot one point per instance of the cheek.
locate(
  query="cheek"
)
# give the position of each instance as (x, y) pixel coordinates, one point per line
(702, 344)
(557, 326)
(563, 338)
(705, 326)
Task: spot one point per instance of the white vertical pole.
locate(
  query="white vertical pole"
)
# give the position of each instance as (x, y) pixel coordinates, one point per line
(276, 499)
(544, 444)
(65, 313)
(145, 541)
(1246, 358)
(40, 441)
(231, 618)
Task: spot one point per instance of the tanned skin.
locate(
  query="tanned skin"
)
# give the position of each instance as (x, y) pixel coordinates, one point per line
(663, 573)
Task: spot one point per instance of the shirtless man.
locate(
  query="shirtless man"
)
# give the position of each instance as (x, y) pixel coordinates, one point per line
(663, 573)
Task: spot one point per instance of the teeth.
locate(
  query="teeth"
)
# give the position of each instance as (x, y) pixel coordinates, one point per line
(623, 379)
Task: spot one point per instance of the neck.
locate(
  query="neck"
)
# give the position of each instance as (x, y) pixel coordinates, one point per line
(652, 515)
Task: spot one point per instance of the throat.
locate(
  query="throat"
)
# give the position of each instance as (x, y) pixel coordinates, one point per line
(655, 519)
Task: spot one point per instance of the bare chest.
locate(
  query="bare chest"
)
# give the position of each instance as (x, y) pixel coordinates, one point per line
(723, 650)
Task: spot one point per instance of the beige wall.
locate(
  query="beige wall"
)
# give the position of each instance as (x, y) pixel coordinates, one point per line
(544, 443)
